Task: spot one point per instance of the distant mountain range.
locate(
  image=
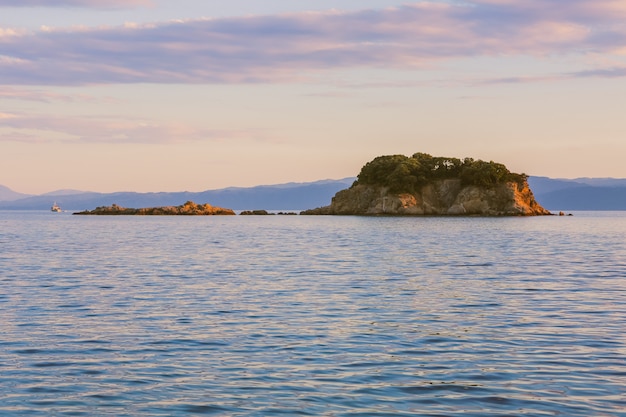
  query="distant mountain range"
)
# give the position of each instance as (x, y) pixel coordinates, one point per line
(290, 196)
(553, 194)
(579, 193)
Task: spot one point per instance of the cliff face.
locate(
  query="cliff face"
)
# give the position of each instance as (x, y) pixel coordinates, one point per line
(444, 197)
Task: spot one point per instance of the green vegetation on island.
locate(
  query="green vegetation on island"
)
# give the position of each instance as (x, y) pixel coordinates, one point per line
(404, 174)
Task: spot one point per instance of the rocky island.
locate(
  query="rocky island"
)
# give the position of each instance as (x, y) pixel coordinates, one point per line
(188, 209)
(425, 185)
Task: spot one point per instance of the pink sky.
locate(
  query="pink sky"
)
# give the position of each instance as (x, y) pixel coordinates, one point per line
(136, 95)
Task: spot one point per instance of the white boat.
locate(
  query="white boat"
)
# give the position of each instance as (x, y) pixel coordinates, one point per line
(55, 208)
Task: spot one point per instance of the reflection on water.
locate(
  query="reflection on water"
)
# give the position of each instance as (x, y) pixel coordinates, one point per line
(322, 316)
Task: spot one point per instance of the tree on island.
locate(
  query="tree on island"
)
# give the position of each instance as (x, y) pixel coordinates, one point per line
(403, 174)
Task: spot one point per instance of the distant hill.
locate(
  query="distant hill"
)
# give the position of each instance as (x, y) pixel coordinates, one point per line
(63, 192)
(553, 194)
(602, 182)
(290, 196)
(579, 193)
(6, 194)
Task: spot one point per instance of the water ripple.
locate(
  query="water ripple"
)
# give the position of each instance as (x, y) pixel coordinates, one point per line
(312, 316)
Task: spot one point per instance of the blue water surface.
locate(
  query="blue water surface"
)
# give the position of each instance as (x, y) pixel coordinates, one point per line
(312, 315)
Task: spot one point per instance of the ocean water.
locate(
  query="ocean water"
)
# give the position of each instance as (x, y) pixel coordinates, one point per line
(310, 315)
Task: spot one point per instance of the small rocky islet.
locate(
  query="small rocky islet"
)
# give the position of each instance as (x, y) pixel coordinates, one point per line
(188, 209)
(266, 213)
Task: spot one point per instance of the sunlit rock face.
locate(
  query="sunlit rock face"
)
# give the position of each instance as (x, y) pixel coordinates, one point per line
(444, 197)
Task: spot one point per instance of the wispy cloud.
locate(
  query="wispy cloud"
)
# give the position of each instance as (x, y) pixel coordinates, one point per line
(613, 72)
(29, 94)
(294, 46)
(32, 128)
(99, 4)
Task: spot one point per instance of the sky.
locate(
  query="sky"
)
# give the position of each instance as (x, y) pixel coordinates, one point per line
(193, 95)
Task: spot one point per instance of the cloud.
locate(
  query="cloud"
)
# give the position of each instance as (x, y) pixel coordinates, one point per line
(29, 128)
(606, 73)
(98, 4)
(292, 47)
(29, 94)
(615, 72)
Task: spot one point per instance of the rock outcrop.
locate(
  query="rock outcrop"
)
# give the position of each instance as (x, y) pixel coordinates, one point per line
(188, 209)
(441, 197)
(255, 213)
(265, 213)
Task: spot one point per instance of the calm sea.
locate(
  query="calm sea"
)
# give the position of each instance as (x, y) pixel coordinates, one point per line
(309, 315)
